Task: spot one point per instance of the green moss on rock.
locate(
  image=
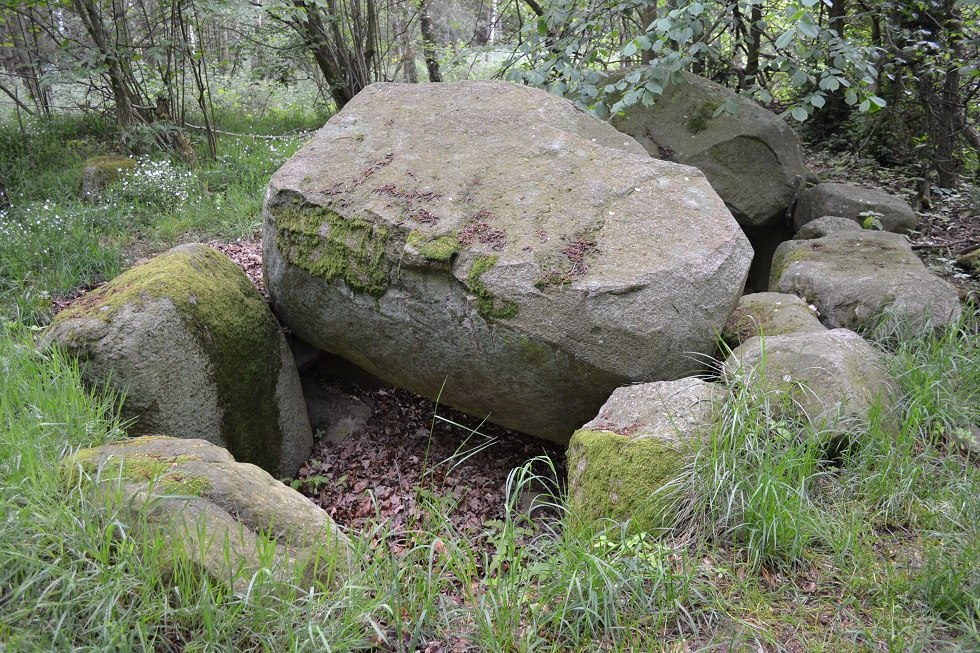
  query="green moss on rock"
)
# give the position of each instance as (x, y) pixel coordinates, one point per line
(488, 305)
(439, 249)
(698, 121)
(331, 246)
(232, 325)
(162, 472)
(613, 476)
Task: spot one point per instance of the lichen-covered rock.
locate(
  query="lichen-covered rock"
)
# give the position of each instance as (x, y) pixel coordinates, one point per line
(638, 442)
(865, 280)
(825, 226)
(751, 157)
(221, 513)
(854, 203)
(100, 171)
(517, 273)
(770, 314)
(831, 378)
(197, 353)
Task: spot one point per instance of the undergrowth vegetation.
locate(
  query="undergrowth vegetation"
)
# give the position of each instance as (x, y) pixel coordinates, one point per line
(786, 539)
(52, 242)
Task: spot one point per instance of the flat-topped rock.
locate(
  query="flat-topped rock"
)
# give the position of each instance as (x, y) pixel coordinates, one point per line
(770, 314)
(825, 226)
(854, 203)
(863, 280)
(490, 245)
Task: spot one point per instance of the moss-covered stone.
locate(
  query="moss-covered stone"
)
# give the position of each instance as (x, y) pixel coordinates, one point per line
(99, 172)
(617, 476)
(232, 520)
(440, 248)
(488, 305)
(230, 322)
(698, 120)
(161, 471)
(331, 246)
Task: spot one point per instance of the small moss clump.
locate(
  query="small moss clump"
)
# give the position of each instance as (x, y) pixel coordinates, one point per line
(331, 246)
(486, 303)
(697, 122)
(439, 249)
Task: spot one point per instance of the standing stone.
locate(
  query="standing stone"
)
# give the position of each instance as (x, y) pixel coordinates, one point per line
(197, 353)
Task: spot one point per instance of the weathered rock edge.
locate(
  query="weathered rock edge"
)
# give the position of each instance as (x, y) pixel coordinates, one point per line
(521, 273)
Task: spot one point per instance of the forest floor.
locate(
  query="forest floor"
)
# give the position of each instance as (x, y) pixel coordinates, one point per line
(410, 447)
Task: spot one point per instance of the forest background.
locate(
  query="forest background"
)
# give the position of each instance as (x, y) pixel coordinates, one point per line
(898, 76)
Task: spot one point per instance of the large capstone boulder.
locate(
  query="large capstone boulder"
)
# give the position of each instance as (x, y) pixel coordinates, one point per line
(619, 461)
(230, 519)
(864, 280)
(197, 353)
(833, 379)
(751, 157)
(491, 246)
(866, 206)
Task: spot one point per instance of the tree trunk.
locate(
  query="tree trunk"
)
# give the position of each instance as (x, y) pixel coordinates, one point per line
(123, 96)
(429, 42)
(754, 45)
(406, 49)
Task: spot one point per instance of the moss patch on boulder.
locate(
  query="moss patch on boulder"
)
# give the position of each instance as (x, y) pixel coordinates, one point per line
(488, 305)
(231, 324)
(440, 248)
(331, 246)
(617, 477)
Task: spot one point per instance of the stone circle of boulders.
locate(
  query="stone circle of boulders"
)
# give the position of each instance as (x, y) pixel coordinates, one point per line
(546, 276)
(752, 158)
(864, 280)
(218, 512)
(865, 206)
(197, 353)
(515, 274)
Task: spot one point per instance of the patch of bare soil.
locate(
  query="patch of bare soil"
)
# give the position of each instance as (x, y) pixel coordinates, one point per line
(412, 456)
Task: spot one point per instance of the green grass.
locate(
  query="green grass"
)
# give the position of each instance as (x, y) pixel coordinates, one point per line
(786, 539)
(52, 243)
